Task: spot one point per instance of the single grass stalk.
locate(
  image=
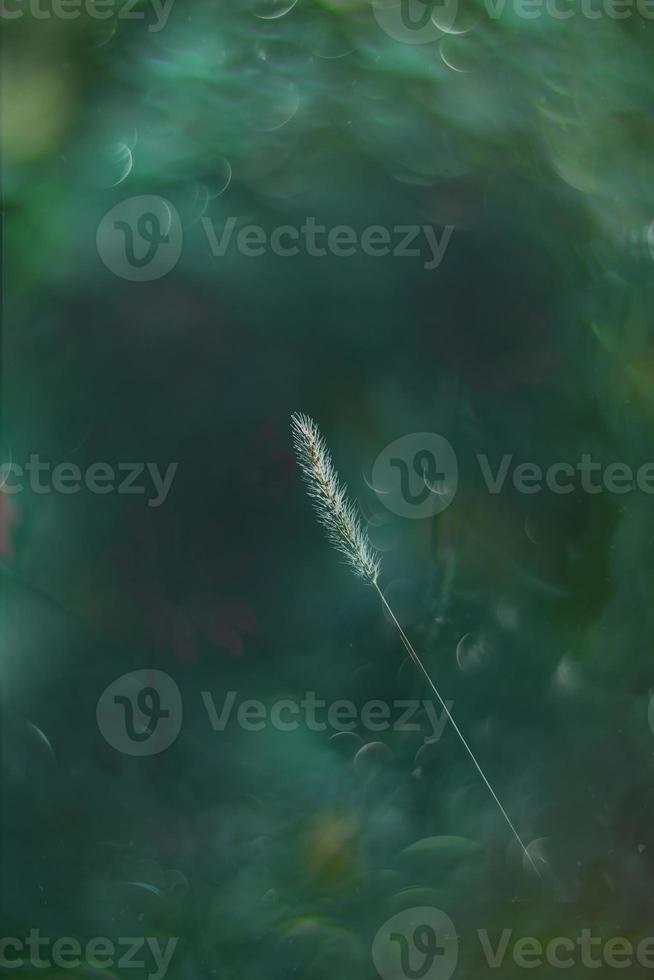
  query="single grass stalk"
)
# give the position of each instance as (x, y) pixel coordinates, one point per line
(340, 518)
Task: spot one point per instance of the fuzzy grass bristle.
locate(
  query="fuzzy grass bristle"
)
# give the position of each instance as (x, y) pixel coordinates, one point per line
(337, 514)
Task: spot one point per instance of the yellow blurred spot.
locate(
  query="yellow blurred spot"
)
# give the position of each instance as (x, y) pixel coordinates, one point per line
(331, 851)
(36, 107)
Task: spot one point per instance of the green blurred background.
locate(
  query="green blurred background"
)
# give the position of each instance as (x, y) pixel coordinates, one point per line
(274, 854)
